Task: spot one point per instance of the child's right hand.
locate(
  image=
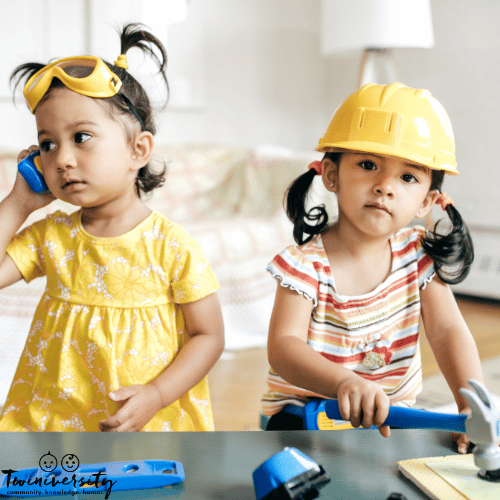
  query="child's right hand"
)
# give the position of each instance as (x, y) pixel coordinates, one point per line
(31, 201)
(363, 403)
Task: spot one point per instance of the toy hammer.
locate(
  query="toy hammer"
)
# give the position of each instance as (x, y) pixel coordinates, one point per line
(482, 426)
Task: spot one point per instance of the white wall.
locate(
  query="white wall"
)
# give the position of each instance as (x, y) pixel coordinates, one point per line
(463, 72)
(259, 58)
(264, 75)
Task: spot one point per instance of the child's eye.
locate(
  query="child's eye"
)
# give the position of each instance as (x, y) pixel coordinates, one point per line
(409, 178)
(367, 165)
(81, 137)
(47, 146)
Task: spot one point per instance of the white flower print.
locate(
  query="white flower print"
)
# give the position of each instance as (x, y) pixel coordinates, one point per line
(154, 234)
(156, 269)
(93, 321)
(66, 221)
(51, 247)
(99, 284)
(161, 356)
(174, 244)
(203, 405)
(201, 266)
(74, 423)
(166, 427)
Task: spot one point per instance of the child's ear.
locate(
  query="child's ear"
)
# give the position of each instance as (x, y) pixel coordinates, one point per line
(426, 206)
(329, 171)
(142, 149)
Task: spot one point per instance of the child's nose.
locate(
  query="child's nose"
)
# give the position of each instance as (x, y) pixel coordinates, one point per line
(384, 186)
(65, 158)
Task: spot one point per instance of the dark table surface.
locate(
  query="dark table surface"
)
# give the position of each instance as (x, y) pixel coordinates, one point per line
(219, 465)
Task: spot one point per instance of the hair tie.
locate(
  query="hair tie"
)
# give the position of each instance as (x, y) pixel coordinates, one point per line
(316, 165)
(444, 200)
(121, 62)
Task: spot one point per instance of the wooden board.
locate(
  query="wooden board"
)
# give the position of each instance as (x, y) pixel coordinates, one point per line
(449, 478)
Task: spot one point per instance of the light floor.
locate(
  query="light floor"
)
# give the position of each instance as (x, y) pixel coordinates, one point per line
(238, 379)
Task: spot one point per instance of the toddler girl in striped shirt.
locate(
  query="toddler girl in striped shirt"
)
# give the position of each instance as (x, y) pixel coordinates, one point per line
(346, 318)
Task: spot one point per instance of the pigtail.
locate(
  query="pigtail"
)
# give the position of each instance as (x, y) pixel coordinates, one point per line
(453, 253)
(295, 207)
(135, 35)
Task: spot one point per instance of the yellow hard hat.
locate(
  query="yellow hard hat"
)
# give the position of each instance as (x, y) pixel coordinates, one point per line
(393, 120)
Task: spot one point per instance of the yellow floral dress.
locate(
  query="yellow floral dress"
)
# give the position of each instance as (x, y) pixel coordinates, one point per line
(109, 317)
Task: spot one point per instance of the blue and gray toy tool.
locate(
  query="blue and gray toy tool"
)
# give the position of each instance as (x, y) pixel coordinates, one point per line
(482, 426)
(290, 474)
(90, 478)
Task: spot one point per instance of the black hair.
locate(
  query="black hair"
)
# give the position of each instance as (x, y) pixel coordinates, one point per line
(295, 206)
(131, 100)
(452, 252)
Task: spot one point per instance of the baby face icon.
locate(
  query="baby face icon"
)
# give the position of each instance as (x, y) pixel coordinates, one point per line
(48, 462)
(70, 462)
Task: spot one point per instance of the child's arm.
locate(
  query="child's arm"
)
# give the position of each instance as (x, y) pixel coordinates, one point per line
(14, 210)
(360, 401)
(203, 320)
(452, 344)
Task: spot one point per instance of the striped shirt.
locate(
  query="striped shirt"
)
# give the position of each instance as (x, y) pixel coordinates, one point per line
(375, 334)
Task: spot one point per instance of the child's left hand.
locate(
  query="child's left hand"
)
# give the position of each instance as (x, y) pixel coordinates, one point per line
(463, 442)
(140, 403)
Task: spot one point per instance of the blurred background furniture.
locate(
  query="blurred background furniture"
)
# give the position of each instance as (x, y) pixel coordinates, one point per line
(376, 27)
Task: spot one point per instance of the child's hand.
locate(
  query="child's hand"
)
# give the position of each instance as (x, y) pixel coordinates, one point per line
(363, 403)
(462, 440)
(140, 404)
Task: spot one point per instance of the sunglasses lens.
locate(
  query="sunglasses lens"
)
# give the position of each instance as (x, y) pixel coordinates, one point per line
(78, 71)
(76, 68)
(80, 68)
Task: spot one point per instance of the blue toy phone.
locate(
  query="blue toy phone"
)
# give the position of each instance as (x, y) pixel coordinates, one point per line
(30, 169)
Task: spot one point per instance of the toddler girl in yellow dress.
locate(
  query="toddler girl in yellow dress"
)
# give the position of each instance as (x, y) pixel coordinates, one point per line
(129, 324)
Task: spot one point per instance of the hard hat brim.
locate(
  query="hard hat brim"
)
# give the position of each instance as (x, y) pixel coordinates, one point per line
(380, 149)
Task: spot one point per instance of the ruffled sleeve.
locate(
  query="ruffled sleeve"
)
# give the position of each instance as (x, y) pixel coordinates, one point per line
(295, 270)
(425, 263)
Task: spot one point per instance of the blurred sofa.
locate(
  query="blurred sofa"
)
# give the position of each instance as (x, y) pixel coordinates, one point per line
(230, 201)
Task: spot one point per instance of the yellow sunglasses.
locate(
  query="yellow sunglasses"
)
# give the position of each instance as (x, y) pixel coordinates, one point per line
(96, 79)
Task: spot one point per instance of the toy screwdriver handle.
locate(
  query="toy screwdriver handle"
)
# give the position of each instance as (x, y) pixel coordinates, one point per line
(410, 418)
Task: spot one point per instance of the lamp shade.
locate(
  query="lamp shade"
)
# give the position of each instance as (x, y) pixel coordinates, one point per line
(384, 24)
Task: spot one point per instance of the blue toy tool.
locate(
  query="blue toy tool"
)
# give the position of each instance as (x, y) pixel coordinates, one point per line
(90, 478)
(411, 418)
(324, 414)
(314, 416)
(30, 169)
(290, 474)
